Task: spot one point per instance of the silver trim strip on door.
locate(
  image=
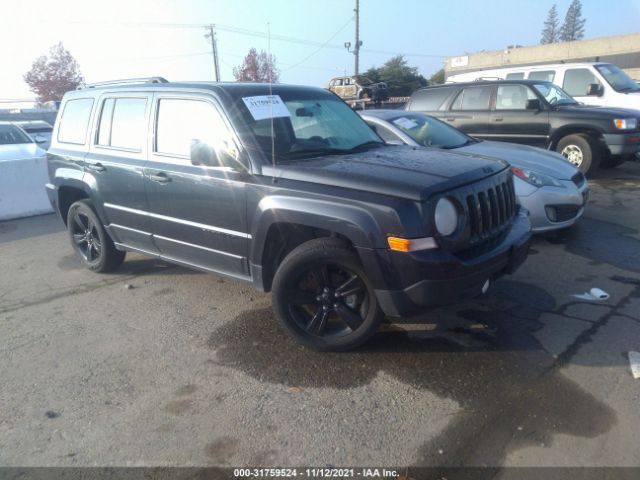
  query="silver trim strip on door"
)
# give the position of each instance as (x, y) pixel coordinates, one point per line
(178, 220)
(141, 232)
(173, 240)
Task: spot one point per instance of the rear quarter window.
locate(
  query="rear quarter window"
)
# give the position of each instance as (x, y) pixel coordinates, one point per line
(429, 100)
(74, 121)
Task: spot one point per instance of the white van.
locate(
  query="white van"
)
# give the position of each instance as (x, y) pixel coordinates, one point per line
(592, 83)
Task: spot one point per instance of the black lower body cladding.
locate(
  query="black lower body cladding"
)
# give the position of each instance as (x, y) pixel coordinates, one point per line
(406, 283)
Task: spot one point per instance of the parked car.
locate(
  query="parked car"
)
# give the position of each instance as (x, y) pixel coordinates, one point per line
(285, 187)
(593, 83)
(358, 87)
(553, 191)
(535, 113)
(38, 130)
(15, 144)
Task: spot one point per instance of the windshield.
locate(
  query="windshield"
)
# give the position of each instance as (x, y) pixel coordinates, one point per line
(619, 81)
(11, 135)
(554, 95)
(429, 132)
(312, 127)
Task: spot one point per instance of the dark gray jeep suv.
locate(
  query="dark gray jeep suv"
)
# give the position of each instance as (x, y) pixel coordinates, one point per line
(285, 187)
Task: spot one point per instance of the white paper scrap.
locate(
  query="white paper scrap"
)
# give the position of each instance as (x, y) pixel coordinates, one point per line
(593, 295)
(634, 360)
(406, 123)
(266, 106)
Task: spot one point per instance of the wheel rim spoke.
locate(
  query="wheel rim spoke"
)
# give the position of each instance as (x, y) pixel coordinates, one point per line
(79, 238)
(318, 322)
(351, 286)
(79, 222)
(351, 318)
(89, 253)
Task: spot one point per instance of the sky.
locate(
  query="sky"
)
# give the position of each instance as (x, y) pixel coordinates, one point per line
(136, 38)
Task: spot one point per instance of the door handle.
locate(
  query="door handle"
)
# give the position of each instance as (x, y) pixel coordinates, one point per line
(98, 167)
(160, 178)
(498, 119)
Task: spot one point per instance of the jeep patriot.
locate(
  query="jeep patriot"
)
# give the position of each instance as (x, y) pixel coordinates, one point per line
(284, 187)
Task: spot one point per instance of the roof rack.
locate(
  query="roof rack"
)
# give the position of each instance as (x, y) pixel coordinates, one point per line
(125, 81)
(483, 79)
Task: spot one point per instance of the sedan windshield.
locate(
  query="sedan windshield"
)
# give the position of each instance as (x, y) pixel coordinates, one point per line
(619, 81)
(554, 95)
(11, 135)
(312, 127)
(429, 132)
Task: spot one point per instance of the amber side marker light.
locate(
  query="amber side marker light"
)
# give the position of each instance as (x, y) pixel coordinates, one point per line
(411, 245)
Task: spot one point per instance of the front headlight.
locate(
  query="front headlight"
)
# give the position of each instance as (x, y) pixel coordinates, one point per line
(446, 217)
(625, 123)
(536, 179)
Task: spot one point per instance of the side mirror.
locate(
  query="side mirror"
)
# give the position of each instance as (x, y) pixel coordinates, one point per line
(533, 104)
(40, 140)
(595, 90)
(203, 154)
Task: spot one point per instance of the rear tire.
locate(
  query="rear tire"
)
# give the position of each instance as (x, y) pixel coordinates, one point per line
(582, 151)
(323, 297)
(90, 240)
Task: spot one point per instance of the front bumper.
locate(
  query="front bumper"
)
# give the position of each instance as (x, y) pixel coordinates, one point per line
(623, 143)
(570, 197)
(406, 283)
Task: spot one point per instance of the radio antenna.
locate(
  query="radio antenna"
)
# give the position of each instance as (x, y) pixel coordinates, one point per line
(273, 140)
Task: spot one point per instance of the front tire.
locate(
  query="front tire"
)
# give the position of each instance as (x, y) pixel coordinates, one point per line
(323, 297)
(90, 240)
(582, 151)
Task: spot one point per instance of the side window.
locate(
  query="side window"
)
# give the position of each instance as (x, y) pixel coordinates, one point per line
(183, 124)
(338, 82)
(429, 100)
(123, 123)
(386, 134)
(347, 81)
(513, 97)
(514, 76)
(577, 80)
(472, 98)
(545, 75)
(74, 121)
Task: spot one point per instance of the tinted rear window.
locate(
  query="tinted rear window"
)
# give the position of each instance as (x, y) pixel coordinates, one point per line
(123, 123)
(429, 100)
(74, 122)
(545, 75)
(472, 98)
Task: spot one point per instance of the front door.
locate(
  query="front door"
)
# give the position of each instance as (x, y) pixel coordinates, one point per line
(196, 205)
(511, 121)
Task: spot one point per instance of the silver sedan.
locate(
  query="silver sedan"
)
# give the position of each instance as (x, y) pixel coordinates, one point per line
(553, 190)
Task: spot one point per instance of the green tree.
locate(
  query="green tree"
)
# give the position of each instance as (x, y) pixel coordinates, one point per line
(573, 26)
(550, 32)
(401, 79)
(257, 67)
(52, 76)
(437, 78)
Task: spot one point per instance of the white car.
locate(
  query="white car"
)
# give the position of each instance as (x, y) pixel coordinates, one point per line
(546, 184)
(15, 144)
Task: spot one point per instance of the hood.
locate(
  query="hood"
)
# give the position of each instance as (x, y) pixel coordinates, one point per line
(524, 156)
(608, 112)
(400, 171)
(20, 151)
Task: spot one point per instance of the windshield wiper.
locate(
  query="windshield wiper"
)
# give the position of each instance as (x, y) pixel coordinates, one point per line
(628, 89)
(365, 146)
(460, 145)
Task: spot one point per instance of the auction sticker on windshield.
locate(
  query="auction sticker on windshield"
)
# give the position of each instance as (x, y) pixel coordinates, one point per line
(266, 106)
(405, 123)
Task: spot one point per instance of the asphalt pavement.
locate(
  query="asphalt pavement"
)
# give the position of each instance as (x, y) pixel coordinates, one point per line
(159, 365)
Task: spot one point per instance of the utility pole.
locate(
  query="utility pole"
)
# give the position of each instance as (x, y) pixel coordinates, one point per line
(358, 43)
(214, 50)
(356, 49)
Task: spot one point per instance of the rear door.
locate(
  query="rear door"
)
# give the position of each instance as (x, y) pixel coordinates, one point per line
(115, 165)
(198, 211)
(469, 110)
(512, 122)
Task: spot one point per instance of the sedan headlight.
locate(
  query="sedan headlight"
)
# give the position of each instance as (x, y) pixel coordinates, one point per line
(446, 217)
(625, 123)
(536, 179)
